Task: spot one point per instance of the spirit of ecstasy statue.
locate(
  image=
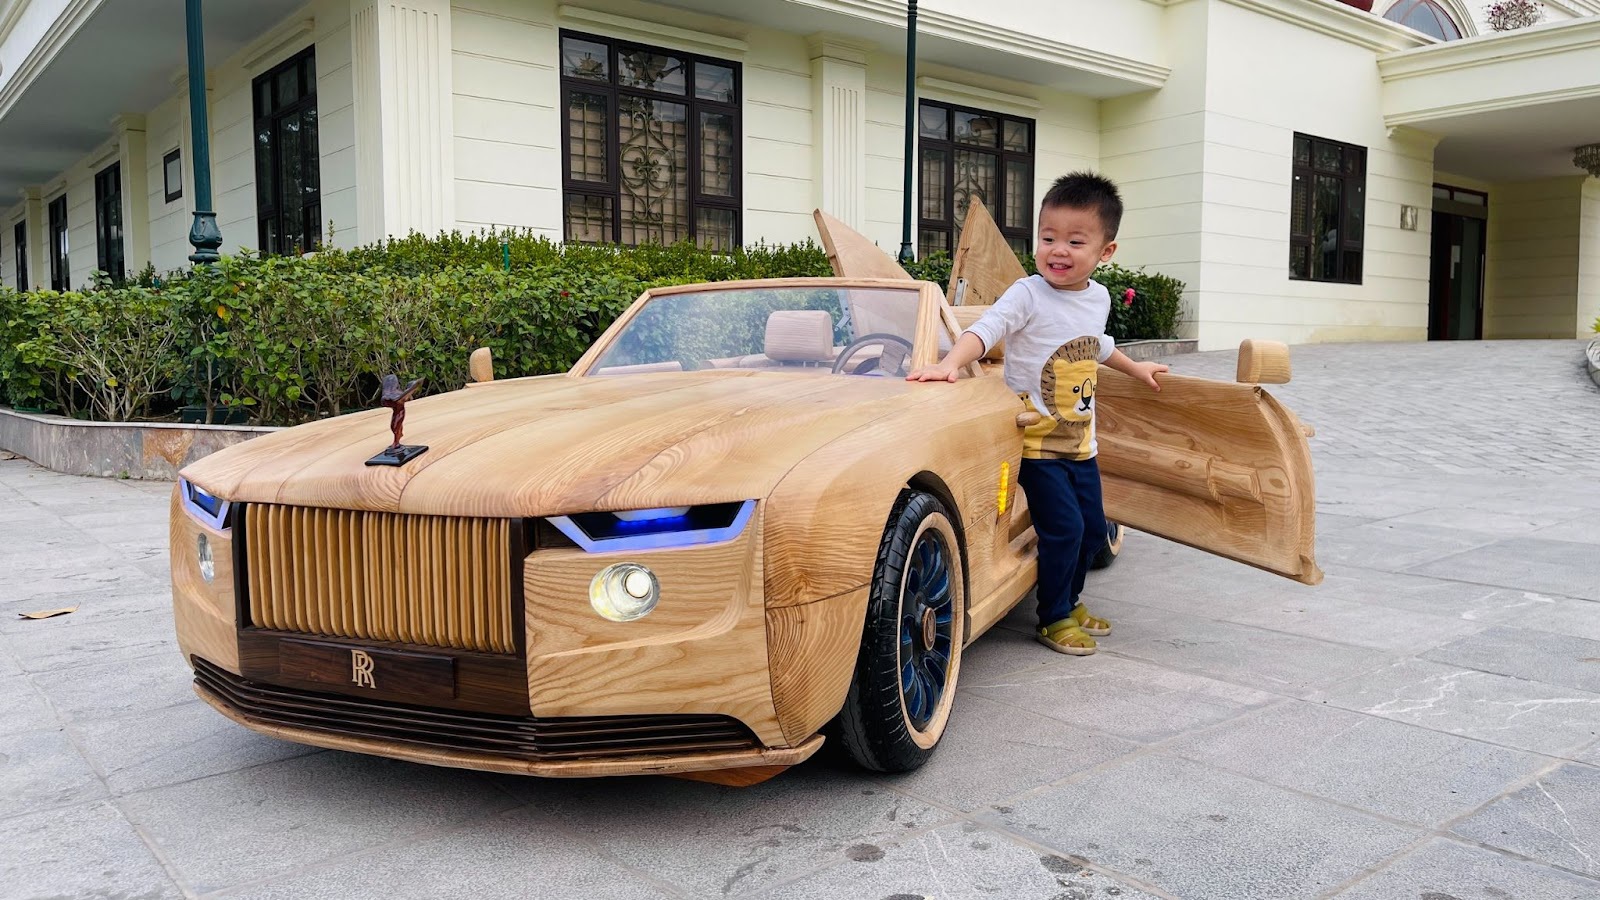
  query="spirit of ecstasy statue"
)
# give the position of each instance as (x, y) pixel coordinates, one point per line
(395, 397)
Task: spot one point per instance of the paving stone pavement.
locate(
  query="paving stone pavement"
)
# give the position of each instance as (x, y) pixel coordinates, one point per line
(1424, 724)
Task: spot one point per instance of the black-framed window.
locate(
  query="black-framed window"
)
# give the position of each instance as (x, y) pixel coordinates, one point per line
(288, 164)
(651, 144)
(19, 245)
(1327, 210)
(108, 221)
(172, 175)
(968, 153)
(60, 263)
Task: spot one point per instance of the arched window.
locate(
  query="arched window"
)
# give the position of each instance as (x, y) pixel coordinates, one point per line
(1425, 16)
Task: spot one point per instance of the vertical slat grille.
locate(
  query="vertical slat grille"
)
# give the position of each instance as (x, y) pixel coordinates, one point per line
(440, 581)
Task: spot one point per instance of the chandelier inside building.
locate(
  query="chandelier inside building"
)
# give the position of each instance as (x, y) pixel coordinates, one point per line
(1587, 158)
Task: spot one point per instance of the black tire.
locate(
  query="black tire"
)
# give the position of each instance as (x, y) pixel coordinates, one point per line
(905, 679)
(1108, 554)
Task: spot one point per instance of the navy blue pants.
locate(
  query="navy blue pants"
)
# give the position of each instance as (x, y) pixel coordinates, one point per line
(1070, 520)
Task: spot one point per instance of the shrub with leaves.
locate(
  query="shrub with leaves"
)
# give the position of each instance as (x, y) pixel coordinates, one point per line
(296, 339)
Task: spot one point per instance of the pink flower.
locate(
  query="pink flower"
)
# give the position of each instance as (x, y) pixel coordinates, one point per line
(1127, 297)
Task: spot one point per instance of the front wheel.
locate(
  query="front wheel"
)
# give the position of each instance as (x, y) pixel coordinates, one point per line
(1108, 553)
(905, 678)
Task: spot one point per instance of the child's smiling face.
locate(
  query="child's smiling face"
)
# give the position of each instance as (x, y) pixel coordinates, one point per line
(1072, 242)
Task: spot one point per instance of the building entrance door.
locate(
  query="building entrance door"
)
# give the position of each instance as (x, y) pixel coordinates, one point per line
(1455, 288)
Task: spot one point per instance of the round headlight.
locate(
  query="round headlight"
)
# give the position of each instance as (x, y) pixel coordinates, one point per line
(624, 592)
(208, 566)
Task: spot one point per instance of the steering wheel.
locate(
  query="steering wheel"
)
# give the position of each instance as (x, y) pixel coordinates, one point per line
(896, 351)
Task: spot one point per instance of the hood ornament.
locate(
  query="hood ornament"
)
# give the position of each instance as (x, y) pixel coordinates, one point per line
(395, 397)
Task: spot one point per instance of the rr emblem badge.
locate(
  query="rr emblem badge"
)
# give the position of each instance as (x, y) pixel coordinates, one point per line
(361, 669)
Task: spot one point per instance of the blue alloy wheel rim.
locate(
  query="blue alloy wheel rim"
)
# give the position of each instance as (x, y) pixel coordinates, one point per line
(925, 664)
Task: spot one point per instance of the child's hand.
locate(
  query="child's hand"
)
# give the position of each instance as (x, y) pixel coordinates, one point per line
(1146, 372)
(935, 372)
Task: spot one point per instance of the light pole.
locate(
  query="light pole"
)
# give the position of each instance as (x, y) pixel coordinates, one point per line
(203, 234)
(906, 253)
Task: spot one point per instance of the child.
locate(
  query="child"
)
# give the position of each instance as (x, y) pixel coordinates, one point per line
(1053, 325)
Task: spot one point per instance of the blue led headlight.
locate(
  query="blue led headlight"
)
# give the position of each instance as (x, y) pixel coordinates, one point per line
(210, 510)
(655, 529)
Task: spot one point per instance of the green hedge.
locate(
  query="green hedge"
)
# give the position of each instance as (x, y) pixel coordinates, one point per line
(295, 339)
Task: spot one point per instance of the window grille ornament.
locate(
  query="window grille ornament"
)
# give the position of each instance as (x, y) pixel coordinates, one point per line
(1587, 158)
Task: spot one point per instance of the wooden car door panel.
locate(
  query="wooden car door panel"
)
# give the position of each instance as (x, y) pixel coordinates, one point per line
(1219, 466)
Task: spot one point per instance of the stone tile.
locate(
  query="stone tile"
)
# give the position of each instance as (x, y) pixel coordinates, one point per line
(1531, 655)
(1583, 530)
(1534, 611)
(1268, 660)
(25, 708)
(1495, 708)
(1198, 832)
(1443, 868)
(1554, 567)
(65, 642)
(1392, 547)
(804, 819)
(274, 819)
(177, 744)
(522, 853)
(1554, 820)
(1128, 698)
(1028, 749)
(1496, 522)
(41, 770)
(105, 690)
(1342, 621)
(79, 851)
(956, 862)
(1387, 767)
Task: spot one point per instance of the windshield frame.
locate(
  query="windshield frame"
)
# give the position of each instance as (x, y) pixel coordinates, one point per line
(932, 317)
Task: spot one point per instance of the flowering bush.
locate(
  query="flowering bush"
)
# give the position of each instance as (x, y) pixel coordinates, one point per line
(1509, 15)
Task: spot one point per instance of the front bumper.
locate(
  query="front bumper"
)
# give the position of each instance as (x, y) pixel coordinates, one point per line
(557, 748)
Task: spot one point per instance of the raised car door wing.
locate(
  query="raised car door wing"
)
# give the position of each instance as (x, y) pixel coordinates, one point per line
(1219, 466)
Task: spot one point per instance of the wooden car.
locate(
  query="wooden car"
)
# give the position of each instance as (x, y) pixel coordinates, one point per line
(733, 527)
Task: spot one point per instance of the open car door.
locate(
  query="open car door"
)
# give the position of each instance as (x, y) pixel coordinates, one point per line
(1220, 466)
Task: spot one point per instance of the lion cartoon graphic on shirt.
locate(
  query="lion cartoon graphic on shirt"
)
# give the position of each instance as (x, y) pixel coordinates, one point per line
(1066, 390)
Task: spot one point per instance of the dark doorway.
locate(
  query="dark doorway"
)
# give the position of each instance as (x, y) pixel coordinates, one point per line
(1455, 288)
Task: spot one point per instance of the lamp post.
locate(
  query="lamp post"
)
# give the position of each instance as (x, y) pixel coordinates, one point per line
(906, 253)
(203, 234)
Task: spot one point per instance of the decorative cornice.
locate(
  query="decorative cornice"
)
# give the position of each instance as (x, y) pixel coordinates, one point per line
(65, 25)
(970, 31)
(834, 46)
(642, 29)
(1481, 106)
(270, 47)
(1560, 37)
(1338, 20)
(9, 16)
(984, 95)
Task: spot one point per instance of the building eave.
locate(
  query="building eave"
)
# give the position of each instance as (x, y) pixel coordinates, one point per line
(1556, 37)
(967, 31)
(1337, 20)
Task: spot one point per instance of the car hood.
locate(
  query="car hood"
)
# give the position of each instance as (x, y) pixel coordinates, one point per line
(555, 445)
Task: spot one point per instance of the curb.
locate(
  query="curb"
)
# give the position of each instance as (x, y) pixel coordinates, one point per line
(1140, 351)
(145, 450)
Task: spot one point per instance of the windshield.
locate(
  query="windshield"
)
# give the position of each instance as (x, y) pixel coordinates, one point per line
(826, 330)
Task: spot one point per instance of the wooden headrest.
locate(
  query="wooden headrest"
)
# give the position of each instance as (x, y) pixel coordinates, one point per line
(966, 315)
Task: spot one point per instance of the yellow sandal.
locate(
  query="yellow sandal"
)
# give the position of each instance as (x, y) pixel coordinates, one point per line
(1089, 624)
(1066, 637)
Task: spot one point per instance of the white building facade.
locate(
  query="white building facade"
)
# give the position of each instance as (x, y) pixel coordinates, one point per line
(1312, 171)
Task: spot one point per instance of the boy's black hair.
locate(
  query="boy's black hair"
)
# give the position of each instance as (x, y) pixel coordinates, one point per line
(1086, 190)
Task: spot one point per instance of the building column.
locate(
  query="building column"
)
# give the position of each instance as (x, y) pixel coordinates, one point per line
(135, 163)
(38, 263)
(839, 128)
(405, 160)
